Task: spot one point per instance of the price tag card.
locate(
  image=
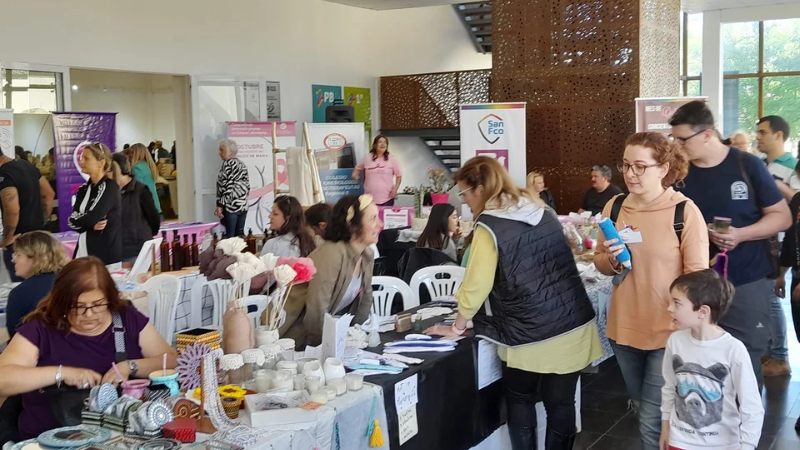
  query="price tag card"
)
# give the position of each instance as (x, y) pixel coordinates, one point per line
(405, 393)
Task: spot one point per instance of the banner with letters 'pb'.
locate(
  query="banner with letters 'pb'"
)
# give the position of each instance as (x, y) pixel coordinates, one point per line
(72, 131)
(496, 130)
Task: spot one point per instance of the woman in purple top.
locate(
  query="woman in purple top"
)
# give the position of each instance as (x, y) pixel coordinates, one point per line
(382, 174)
(69, 340)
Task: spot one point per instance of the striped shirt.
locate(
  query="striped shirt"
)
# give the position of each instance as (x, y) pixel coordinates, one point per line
(233, 186)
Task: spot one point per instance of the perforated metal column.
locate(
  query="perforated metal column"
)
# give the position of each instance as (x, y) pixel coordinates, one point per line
(580, 65)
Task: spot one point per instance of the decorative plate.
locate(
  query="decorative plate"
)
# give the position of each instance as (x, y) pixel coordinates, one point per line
(161, 444)
(159, 414)
(77, 436)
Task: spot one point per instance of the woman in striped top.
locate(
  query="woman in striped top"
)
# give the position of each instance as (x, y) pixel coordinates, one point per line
(233, 186)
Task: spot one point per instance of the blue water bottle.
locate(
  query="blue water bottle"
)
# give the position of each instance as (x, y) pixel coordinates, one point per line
(610, 232)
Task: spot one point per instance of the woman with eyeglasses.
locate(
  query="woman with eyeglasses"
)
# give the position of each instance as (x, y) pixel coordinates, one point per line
(69, 340)
(666, 237)
(97, 213)
(523, 292)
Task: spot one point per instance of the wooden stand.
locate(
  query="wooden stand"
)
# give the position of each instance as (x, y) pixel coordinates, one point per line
(204, 424)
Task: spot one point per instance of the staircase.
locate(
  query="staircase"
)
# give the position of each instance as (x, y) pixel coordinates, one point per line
(477, 17)
(447, 149)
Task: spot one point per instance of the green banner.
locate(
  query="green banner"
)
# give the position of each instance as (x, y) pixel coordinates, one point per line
(323, 96)
(361, 101)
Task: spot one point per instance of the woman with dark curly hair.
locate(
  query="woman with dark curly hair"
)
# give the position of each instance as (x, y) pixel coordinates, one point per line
(287, 220)
(343, 282)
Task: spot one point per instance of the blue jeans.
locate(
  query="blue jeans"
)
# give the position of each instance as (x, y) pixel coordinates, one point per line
(641, 370)
(777, 330)
(234, 223)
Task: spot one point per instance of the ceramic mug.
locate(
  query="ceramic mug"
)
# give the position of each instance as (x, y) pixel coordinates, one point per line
(334, 369)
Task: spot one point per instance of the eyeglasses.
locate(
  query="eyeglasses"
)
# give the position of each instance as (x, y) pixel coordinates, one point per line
(638, 169)
(461, 193)
(96, 309)
(684, 140)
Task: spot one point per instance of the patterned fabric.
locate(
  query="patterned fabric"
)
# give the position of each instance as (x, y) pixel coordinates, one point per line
(233, 186)
(599, 293)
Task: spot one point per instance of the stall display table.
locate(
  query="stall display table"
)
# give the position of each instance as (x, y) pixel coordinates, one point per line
(69, 239)
(340, 424)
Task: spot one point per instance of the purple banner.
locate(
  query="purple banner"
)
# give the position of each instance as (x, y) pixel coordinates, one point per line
(73, 130)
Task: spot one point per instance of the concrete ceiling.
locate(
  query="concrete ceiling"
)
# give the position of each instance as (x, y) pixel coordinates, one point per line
(687, 5)
(395, 4)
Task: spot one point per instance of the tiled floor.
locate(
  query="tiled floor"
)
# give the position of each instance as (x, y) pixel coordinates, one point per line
(607, 424)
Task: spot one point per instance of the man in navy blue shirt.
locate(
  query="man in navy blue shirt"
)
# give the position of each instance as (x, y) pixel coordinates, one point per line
(726, 182)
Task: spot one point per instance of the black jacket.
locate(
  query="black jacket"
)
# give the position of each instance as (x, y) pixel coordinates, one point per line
(537, 293)
(103, 203)
(140, 216)
(547, 197)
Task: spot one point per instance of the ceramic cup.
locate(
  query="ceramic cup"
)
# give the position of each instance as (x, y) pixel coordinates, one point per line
(319, 397)
(313, 384)
(339, 385)
(168, 379)
(299, 382)
(302, 362)
(329, 391)
(287, 365)
(354, 381)
(334, 369)
(314, 368)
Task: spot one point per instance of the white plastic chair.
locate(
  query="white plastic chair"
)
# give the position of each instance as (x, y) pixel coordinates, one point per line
(198, 288)
(163, 294)
(260, 302)
(383, 293)
(446, 284)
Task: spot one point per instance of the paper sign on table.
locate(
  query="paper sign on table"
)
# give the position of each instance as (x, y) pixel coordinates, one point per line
(395, 219)
(405, 393)
(490, 368)
(334, 335)
(407, 426)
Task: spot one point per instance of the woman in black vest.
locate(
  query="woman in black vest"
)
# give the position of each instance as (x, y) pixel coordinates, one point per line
(537, 310)
(139, 213)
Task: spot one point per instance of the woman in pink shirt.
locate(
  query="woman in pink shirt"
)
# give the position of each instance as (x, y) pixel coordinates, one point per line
(382, 174)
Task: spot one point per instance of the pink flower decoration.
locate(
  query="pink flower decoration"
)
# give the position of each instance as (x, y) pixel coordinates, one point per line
(303, 273)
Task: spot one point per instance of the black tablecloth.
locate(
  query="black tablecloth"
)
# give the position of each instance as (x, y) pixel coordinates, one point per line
(452, 413)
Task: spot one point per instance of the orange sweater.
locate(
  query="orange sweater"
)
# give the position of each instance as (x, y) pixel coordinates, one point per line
(638, 315)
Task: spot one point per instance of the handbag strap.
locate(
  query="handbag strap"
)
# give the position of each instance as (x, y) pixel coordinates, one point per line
(119, 338)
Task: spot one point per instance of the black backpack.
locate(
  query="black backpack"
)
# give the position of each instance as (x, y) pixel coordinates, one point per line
(677, 222)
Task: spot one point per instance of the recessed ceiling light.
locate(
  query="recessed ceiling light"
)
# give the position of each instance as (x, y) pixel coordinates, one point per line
(74, 87)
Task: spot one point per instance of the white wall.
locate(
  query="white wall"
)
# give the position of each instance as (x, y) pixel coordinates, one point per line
(296, 42)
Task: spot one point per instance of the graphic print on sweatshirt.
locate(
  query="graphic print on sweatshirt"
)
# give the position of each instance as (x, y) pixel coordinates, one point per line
(700, 394)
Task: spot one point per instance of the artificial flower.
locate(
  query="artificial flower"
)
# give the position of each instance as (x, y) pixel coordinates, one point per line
(231, 391)
(241, 272)
(284, 275)
(231, 246)
(303, 273)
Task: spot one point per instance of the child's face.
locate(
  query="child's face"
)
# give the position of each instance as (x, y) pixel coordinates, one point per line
(683, 313)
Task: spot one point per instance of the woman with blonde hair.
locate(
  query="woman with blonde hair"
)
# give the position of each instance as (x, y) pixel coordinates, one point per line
(96, 214)
(144, 170)
(670, 240)
(523, 292)
(536, 184)
(38, 256)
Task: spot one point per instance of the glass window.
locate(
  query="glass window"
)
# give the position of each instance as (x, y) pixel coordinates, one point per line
(782, 98)
(781, 45)
(31, 91)
(693, 88)
(695, 44)
(740, 105)
(740, 47)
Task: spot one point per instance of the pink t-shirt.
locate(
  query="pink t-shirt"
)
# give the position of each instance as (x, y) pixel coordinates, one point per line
(379, 176)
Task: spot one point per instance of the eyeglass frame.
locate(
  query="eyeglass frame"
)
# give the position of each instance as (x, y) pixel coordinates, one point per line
(683, 141)
(76, 309)
(622, 170)
(461, 193)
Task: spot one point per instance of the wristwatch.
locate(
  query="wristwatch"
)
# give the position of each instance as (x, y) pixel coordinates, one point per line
(134, 367)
